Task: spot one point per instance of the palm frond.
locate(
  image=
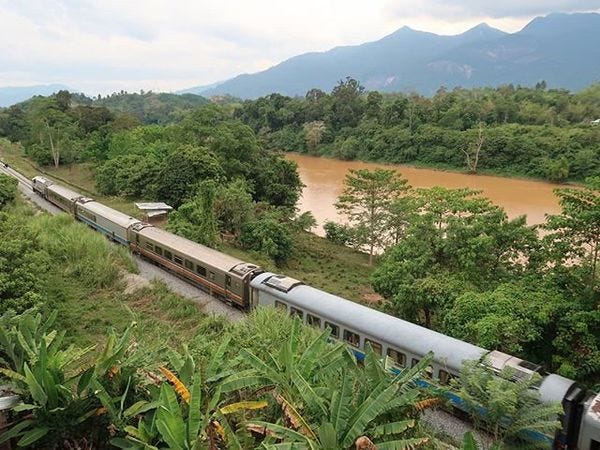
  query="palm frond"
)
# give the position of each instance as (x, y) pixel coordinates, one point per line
(294, 417)
(176, 383)
(393, 428)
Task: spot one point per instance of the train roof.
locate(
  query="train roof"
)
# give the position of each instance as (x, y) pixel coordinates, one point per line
(197, 251)
(108, 213)
(64, 192)
(554, 388)
(399, 333)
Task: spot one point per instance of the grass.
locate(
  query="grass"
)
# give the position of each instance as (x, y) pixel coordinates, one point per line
(321, 263)
(85, 284)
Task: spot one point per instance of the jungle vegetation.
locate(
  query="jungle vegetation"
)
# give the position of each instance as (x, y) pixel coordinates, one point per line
(165, 374)
(453, 261)
(510, 130)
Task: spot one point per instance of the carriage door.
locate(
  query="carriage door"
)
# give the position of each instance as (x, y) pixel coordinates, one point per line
(227, 286)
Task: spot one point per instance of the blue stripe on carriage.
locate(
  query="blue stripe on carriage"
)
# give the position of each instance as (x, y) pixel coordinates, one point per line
(455, 400)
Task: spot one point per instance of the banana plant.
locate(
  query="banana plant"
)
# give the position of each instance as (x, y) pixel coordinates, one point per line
(52, 379)
(320, 360)
(199, 419)
(47, 376)
(336, 417)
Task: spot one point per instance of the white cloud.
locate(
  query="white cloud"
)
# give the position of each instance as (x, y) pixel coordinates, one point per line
(107, 45)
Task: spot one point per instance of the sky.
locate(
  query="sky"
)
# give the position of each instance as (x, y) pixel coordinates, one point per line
(99, 47)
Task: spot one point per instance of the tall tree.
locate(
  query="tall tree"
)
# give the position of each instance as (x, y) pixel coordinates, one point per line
(366, 201)
(575, 233)
(473, 150)
(314, 132)
(347, 105)
(196, 219)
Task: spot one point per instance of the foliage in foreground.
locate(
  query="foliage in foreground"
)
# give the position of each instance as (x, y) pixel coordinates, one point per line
(508, 406)
(8, 190)
(78, 397)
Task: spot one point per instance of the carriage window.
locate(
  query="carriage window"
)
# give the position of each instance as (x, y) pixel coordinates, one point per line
(211, 275)
(399, 358)
(429, 372)
(376, 346)
(157, 250)
(351, 338)
(313, 321)
(445, 377)
(280, 305)
(168, 255)
(149, 246)
(227, 280)
(414, 362)
(201, 271)
(178, 260)
(335, 330)
(189, 264)
(297, 313)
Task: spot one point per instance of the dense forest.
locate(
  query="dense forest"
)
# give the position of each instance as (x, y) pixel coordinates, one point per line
(533, 132)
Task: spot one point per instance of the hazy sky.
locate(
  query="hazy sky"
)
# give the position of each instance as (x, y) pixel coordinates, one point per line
(102, 46)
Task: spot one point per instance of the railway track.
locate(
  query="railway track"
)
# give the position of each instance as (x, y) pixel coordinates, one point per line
(23, 181)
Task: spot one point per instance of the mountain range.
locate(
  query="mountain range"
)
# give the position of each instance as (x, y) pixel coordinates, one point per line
(11, 95)
(562, 49)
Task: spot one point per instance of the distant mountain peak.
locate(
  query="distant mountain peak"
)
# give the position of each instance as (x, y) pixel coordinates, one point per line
(560, 48)
(484, 30)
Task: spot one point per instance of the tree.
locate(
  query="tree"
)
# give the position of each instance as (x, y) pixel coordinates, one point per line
(58, 384)
(305, 221)
(347, 106)
(233, 206)
(276, 181)
(473, 150)
(507, 404)
(455, 241)
(8, 190)
(366, 202)
(374, 102)
(514, 317)
(348, 410)
(196, 219)
(182, 170)
(52, 129)
(575, 233)
(269, 237)
(314, 132)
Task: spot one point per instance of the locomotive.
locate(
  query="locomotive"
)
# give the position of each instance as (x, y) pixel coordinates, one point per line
(247, 286)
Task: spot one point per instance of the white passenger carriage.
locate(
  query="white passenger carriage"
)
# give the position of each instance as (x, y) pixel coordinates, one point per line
(403, 342)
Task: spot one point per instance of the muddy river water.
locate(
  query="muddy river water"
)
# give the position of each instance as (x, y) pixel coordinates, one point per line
(324, 180)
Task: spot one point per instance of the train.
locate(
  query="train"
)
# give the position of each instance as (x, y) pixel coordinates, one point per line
(248, 286)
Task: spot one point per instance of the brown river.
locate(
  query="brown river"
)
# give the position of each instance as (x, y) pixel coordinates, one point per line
(324, 180)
